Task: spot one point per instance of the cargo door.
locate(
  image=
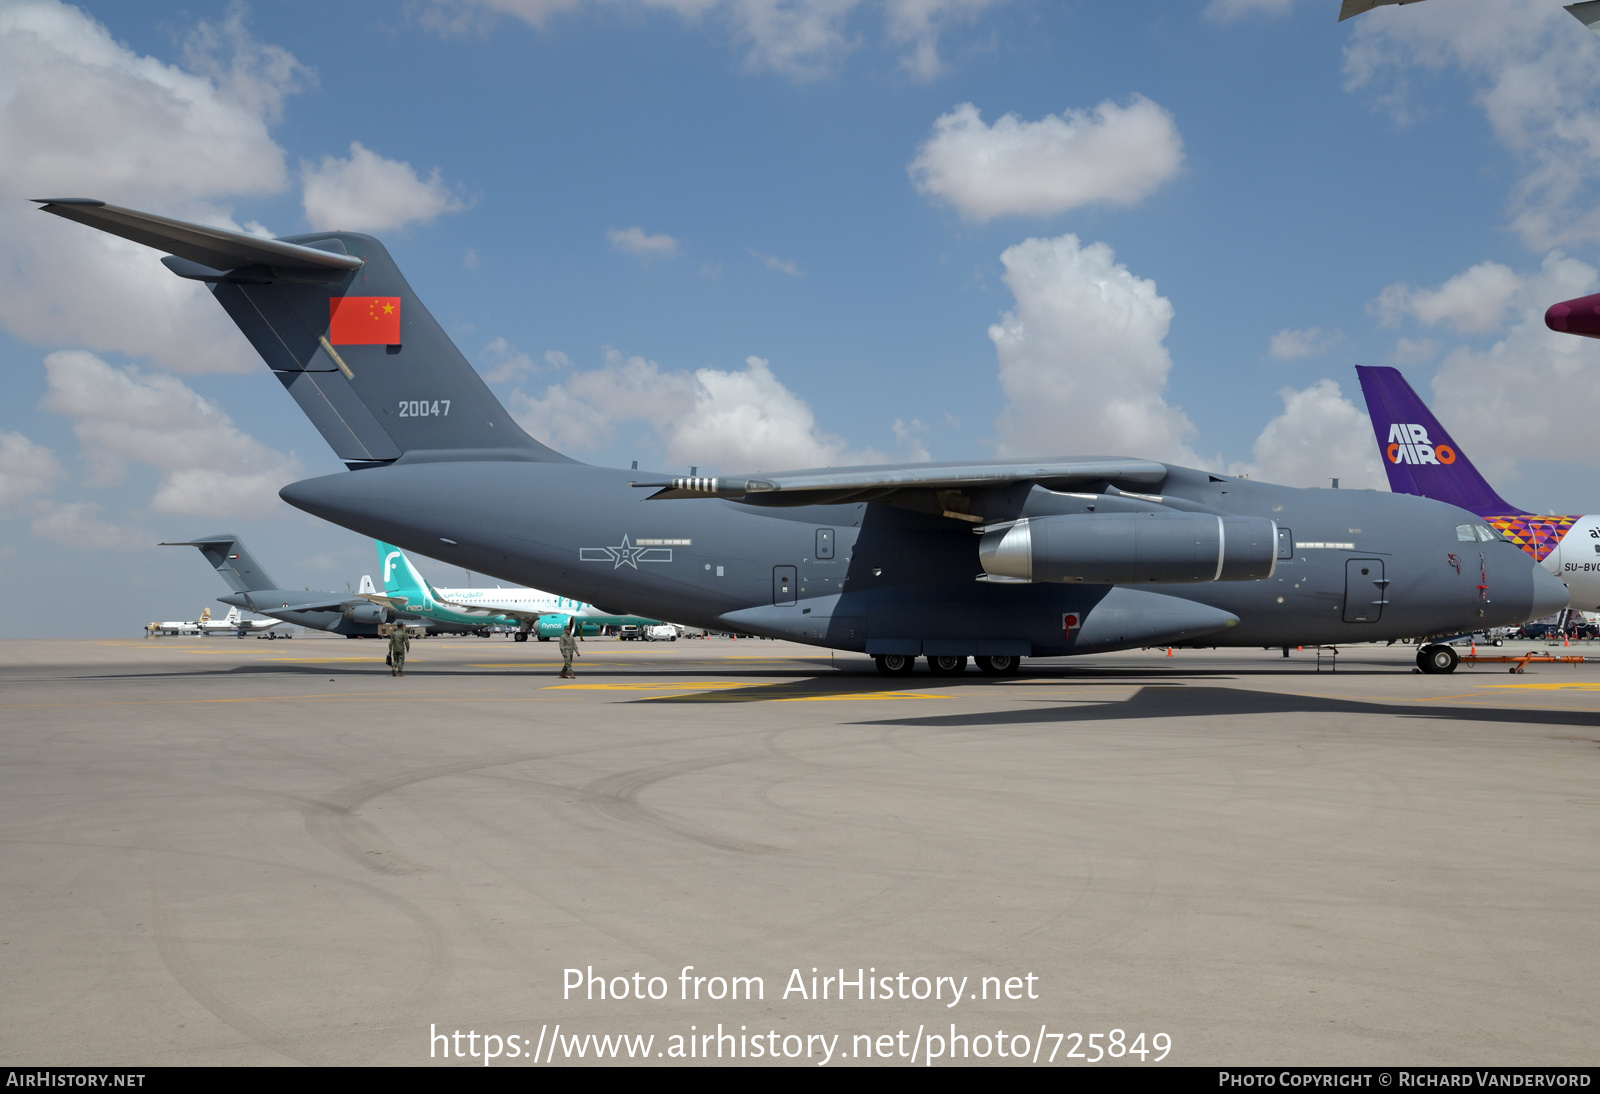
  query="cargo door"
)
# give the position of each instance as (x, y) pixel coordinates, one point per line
(1365, 590)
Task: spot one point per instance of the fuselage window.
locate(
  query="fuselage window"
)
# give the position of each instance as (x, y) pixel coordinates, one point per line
(1464, 534)
(1486, 535)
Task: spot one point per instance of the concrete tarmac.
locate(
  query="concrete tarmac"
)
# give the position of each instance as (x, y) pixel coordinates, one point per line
(216, 851)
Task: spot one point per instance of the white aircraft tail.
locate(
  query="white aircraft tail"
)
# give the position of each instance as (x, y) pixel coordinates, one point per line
(232, 618)
(367, 587)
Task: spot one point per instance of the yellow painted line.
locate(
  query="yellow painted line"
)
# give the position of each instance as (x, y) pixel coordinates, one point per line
(699, 686)
(852, 697)
(1575, 686)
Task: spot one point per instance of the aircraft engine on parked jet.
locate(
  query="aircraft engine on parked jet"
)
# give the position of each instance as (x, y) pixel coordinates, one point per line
(365, 613)
(1131, 548)
(551, 626)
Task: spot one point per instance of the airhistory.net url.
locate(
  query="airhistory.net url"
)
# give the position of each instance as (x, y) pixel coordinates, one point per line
(698, 1046)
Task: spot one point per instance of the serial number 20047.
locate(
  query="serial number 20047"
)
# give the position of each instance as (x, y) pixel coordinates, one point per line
(423, 408)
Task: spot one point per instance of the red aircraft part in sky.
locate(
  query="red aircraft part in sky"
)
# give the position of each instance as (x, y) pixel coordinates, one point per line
(1580, 316)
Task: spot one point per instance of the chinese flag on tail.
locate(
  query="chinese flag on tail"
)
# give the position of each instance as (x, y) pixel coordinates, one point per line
(364, 320)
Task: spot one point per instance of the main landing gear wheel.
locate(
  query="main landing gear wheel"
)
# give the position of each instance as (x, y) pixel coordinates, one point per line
(1437, 660)
(947, 665)
(895, 664)
(999, 665)
(522, 636)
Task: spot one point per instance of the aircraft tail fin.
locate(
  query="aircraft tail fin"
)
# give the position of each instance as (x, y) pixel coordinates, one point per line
(235, 565)
(400, 578)
(1418, 455)
(343, 331)
(367, 587)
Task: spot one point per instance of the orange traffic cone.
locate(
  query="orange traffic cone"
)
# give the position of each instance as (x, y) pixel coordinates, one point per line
(1474, 647)
(1169, 651)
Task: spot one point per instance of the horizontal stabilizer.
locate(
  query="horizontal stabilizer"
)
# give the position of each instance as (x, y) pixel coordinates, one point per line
(840, 485)
(1587, 13)
(1356, 7)
(216, 248)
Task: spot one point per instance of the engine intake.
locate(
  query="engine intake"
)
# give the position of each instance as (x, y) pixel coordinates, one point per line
(364, 613)
(1132, 548)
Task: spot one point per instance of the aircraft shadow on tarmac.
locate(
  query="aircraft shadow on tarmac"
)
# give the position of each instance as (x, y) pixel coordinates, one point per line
(1193, 702)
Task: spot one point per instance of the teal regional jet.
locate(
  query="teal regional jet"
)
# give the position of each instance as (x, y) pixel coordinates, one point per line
(1055, 556)
(529, 610)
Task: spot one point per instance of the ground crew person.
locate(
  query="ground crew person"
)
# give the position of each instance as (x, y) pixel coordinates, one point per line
(569, 650)
(399, 643)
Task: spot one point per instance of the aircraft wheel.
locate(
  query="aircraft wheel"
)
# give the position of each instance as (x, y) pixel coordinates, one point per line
(895, 664)
(1437, 660)
(947, 665)
(999, 665)
(542, 638)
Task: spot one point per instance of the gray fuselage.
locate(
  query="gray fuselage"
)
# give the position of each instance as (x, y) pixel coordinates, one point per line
(1382, 566)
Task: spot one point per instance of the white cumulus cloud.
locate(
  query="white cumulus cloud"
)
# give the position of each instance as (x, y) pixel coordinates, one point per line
(126, 415)
(1529, 385)
(26, 469)
(776, 264)
(804, 39)
(1536, 75)
(919, 25)
(636, 241)
(1293, 345)
(367, 193)
(79, 524)
(83, 116)
(1321, 435)
(1473, 301)
(1112, 155)
(732, 420)
(1083, 357)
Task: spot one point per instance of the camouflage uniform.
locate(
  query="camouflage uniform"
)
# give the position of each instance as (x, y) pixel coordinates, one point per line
(569, 650)
(399, 643)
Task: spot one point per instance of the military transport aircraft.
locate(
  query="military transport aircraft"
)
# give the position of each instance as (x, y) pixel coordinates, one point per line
(1421, 458)
(341, 613)
(997, 560)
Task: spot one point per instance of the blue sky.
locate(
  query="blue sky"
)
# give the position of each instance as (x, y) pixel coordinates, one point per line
(749, 234)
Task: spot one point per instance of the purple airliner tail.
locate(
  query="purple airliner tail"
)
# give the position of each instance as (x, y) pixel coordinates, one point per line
(1419, 456)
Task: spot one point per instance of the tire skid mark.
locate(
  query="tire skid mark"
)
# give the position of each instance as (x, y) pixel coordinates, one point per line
(335, 823)
(192, 979)
(617, 797)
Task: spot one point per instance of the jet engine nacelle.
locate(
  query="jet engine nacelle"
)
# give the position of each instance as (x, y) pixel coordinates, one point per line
(551, 626)
(364, 613)
(1132, 548)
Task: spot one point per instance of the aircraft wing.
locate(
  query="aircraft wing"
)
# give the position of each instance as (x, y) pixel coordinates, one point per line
(398, 603)
(304, 606)
(1356, 7)
(509, 613)
(843, 485)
